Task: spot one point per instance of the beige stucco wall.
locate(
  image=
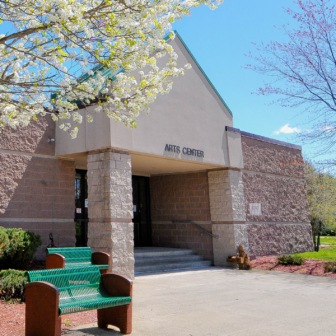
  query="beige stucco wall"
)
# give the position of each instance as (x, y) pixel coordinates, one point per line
(191, 115)
(235, 149)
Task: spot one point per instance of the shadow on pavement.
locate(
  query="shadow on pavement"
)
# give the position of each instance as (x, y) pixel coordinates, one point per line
(93, 330)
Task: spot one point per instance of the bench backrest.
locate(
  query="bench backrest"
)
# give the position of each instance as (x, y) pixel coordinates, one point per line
(73, 282)
(73, 255)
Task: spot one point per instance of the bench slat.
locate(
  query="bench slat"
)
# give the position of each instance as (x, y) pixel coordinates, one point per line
(68, 308)
(80, 289)
(75, 256)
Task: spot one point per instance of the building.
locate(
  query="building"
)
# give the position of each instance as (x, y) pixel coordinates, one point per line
(184, 163)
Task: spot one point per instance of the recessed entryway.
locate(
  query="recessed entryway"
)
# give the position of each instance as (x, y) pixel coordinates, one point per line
(141, 211)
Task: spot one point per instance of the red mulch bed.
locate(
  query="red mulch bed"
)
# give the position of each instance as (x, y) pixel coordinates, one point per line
(310, 266)
(12, 319)
(35, 265)
(12, 315)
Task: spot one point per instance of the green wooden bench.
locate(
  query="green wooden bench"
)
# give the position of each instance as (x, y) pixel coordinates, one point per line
(53, 293)
(70, 257)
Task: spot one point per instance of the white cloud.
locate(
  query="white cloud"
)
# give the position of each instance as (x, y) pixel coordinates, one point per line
(327, 128)
(286, 129)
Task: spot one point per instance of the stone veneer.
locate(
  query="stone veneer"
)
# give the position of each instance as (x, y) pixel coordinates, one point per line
(36, 188)
(110, 208)
(266, 157)
(282, 199)
(273, 176)
(226, 192)
(277, 239)
(181, 197)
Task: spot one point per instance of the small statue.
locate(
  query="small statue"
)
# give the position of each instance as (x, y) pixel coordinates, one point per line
(246, 265)
(243, 260)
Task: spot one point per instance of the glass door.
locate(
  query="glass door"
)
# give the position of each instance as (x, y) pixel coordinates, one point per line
(81, 207)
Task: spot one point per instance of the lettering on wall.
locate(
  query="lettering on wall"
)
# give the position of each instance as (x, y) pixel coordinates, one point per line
(255, 209)
(184, 150)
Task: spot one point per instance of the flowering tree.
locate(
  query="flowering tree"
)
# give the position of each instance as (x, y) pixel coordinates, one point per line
(303, 69)
(47, 43)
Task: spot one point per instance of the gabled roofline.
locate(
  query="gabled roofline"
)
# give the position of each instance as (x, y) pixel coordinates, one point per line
(108, 73)
(204, 74)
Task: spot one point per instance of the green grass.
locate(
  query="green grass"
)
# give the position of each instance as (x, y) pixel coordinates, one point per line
(328, 240)
(323, 254)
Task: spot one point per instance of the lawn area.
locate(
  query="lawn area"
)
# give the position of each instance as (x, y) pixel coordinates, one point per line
(323, 254)
(328, 240)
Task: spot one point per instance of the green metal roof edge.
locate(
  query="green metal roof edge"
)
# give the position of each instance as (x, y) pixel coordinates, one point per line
(110, 75)
(204, 74)
(166, 38)
(99, 67)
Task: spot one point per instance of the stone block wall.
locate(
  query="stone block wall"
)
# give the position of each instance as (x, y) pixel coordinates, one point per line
(110, 208)
(282, 199)
(36, 189)
(273, 176)
(226, 192)
(277, 239)
(181, 197)
(267, 157)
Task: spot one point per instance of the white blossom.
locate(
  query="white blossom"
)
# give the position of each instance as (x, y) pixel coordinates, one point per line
(50, 43)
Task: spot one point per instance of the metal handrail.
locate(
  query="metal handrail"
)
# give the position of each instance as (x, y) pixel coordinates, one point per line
(196, 225)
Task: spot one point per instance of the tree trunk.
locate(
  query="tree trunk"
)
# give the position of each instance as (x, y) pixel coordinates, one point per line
(318, 236)
(318, 242)
(313, 224)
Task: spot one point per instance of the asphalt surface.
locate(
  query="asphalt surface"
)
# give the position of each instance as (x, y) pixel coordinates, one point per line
(222, 302)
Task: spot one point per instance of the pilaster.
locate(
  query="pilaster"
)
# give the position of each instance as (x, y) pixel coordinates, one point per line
(110, 208)
(228, 215)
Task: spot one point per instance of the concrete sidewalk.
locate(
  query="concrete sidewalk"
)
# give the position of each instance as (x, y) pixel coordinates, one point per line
(230, 302)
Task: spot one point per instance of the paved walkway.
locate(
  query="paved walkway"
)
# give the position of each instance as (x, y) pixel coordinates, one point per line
(230, 302)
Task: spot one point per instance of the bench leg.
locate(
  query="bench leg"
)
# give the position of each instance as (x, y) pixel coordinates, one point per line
(42, 317)
(120, 316)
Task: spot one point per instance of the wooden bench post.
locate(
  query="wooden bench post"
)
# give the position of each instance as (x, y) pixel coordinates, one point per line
(120, 316)
(55, 260)
(42, 317)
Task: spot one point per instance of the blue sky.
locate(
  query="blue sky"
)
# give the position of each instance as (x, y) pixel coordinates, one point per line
(219, 41)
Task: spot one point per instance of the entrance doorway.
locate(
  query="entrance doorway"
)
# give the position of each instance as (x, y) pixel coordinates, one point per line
(141, 211)
(81, 207)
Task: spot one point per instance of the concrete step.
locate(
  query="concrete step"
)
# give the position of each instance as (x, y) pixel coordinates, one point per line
(139, 261)
(156, 267)
(150, 252)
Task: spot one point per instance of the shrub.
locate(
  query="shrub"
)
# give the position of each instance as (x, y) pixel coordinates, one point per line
(12, 284)
(17, 247)
(290, 260)
(330, 267)
(4, 242)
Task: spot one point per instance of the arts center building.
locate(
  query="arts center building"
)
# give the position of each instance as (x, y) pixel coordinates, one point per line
(184, 178)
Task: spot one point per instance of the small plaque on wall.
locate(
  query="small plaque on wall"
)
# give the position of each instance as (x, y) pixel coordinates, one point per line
(255, 209)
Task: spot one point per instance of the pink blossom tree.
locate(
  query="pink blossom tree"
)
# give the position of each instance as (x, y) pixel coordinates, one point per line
(303, 69)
